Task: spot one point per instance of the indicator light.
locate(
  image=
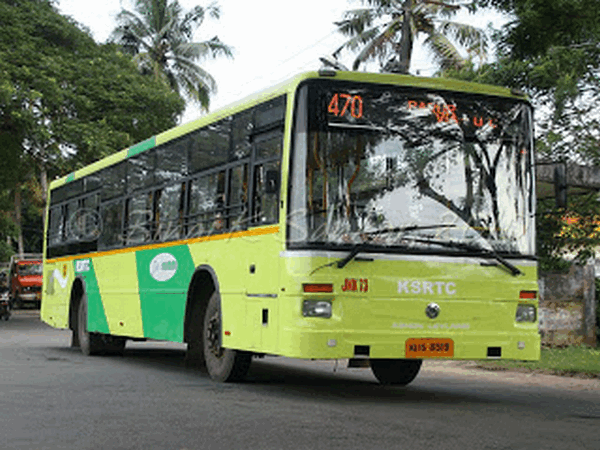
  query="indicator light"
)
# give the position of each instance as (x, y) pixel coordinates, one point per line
(318, 287)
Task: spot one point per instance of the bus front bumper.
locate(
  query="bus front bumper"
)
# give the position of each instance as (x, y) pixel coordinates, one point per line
(474, 346)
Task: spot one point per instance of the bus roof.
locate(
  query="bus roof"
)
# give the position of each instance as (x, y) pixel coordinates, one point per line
(285, 87)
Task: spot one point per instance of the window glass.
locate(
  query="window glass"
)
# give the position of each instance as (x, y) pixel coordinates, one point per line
(210, 146)
(265, 206)
(270, 113)
(88, 218)
(207, 202)
(172, 161)
(238, 196)
(139, 217)
(112, 222)
(268, 145)
(140, 170)
(113, 181)
(242, 129)
(71, 210)
(55, 222)
(69, 190)
(169, 213)
(93, 182)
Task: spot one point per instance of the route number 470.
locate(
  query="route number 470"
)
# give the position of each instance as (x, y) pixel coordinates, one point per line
(341, 103)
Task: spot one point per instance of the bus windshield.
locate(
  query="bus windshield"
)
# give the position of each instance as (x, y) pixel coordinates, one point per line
(406, 169)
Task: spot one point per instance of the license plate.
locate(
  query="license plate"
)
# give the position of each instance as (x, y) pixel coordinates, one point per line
(429, 348)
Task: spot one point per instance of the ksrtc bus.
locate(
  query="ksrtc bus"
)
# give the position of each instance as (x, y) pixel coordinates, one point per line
(378, 218)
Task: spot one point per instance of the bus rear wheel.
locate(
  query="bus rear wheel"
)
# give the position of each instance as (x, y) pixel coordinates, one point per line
(96, 343)
(222, 364)
(396, 371)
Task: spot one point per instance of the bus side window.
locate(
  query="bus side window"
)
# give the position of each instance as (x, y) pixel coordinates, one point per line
(267, 173)
(112, 225)
(114, 181)
(209, 146)
(265, 205)
(238, 197)
(206, 199)
(139, 216)
(55, 229)
(241, 132)
(169, 213)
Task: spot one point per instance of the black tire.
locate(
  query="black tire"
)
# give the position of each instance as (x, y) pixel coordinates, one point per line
(194, 356)
(396, 371)
(222, 364)
(96, 343)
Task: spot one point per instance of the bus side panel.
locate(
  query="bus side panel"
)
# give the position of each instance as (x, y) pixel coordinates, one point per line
(118, 288)
(96, 320)
(56, 293)
(247, 268)
(164, 276)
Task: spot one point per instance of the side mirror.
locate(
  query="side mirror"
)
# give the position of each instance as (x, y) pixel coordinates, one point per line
(272, 182)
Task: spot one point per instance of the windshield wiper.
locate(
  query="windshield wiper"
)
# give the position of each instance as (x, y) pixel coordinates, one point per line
(350, 256)
(360, 247)
(514, 270)
(408, 228)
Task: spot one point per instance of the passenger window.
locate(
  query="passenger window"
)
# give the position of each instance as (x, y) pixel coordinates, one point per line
(238, 197)
(242, 130)
(172, 161)
(169, 213)
(112, 225)
(55, 226)
(113, 181)
(265, 204)
(268, 145)
(140, 170)
(210, 146)
(207, 202)
(139, 218)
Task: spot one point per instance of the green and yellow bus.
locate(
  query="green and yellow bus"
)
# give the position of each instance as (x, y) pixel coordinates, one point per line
(378, 218)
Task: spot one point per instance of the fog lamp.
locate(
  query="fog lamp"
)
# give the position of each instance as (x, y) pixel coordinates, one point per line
(316, 308)
(525, 313)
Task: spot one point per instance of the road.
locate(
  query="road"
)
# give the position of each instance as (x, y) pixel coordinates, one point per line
(52, 397)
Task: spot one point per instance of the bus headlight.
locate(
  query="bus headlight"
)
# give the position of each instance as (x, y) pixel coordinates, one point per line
(525, 313)
(316, 308)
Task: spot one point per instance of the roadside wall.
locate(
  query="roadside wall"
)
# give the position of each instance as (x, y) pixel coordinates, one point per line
(568, 307)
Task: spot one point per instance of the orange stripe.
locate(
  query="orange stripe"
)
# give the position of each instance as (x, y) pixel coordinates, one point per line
(216, 237)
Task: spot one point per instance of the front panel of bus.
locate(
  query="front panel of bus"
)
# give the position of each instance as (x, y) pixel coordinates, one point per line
(410, 225)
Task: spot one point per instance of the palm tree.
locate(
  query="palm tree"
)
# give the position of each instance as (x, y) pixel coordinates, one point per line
(386, 30)
(159, 34)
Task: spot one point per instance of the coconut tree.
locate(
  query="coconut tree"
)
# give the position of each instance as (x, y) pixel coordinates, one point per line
(159, 33)
(386, 30)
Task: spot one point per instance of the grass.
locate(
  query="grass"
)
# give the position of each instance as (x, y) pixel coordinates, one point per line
(579, 361)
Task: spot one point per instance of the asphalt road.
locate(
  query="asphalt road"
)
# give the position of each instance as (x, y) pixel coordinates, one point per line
(52, 397)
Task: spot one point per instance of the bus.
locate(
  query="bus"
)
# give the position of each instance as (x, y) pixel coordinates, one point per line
(375, 218)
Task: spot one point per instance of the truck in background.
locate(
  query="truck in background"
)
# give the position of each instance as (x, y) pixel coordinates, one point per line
(25, 280)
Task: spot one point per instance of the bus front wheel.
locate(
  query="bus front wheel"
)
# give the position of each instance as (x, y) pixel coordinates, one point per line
(95, 343)
(222, 364)
(396, 371)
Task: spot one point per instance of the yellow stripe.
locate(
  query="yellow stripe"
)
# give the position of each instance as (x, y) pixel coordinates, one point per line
(216, 237)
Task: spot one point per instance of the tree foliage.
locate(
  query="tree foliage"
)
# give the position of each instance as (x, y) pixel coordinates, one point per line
(65, 100)
(159, 33)
(386, 30)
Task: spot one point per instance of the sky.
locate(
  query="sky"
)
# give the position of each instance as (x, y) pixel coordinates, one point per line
(272, 40)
